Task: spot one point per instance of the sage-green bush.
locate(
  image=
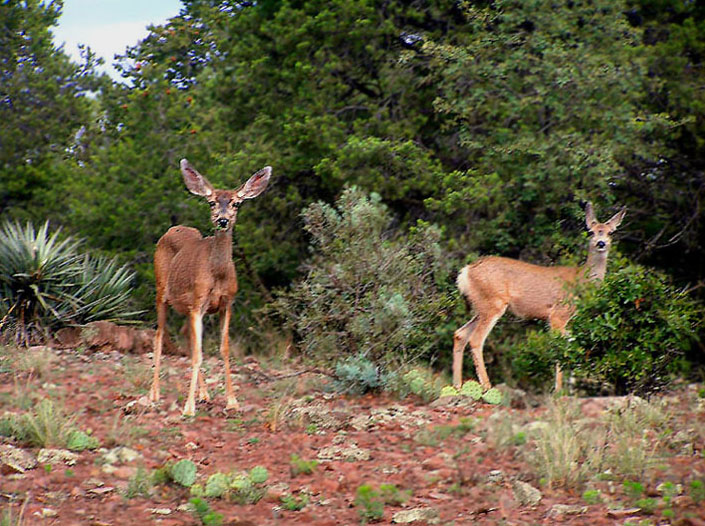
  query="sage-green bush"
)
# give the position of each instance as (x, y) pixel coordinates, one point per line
(370, 291)
(629, 333)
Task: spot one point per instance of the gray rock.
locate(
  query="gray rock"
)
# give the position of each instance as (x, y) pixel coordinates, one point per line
(14, 459)
(558, 510)
(56, 456)
(428, 515)
(526, 494)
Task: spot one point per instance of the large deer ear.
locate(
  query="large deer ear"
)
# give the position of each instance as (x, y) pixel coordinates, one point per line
(195, 182)
(256, 184)
(616, 219)
(590, 218)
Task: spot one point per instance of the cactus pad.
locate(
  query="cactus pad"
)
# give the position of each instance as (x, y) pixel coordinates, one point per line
(472, 389)
(493, 396)
(449, 390)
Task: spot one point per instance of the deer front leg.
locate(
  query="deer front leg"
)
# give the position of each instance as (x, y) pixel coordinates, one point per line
(460, 340)
(225, 352)
(202, 388)
(196, 334)
(158, 342)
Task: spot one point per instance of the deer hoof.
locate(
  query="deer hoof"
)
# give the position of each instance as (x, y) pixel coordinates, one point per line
(232, 404)
(189, 408)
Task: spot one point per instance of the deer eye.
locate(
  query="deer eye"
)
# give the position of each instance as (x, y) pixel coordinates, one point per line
(211, 204)
(236, 205)
(590, 233)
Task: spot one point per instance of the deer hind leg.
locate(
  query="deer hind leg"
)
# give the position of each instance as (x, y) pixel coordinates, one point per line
(162, 308)
(225, 352)
(485, 323)
(460, 340)
(196, 334)
(558, 321)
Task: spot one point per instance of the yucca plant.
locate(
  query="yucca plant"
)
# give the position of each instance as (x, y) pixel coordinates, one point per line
(103, 290)
(36, 273)
(45, 281)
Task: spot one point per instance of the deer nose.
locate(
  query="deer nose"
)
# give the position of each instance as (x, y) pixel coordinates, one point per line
(601, 244)
(223, 223)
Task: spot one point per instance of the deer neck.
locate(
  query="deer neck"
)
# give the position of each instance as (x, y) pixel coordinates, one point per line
(221, 256)
(595, 266)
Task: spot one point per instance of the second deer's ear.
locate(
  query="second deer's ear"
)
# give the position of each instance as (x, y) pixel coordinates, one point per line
(195, 182)
(616, 219)
(590, 219)
(256, 184)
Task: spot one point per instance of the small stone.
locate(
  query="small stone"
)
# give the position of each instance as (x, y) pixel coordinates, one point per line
(159, 511)
(526, 494)
(622, 512)
(427, 515)
(48, 513)
(352, 453)
(56, 456)
(558, 510)
(495, 476)
(14, 459)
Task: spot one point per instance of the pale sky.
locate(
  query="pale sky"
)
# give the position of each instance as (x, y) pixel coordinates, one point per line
(109, 26)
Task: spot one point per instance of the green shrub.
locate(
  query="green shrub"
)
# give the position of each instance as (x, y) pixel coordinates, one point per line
(45, 281)
(47, 425)
(356, 375)
(369, 291)
(299, 466)
(629, 333)
(292, 503)
(203, 512)
(370, 506)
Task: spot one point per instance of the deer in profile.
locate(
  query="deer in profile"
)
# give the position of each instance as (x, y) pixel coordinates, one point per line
(492, 284)
(196, 276)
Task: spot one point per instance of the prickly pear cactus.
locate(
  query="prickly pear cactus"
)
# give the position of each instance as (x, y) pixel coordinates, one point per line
(184, 472)
(217, 485)
(241, 482)
(472, 389)
(449, 390)
(493, 396)
(259, 475)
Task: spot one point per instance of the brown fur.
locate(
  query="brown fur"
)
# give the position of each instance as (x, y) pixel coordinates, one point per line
(494, 284)
(196, 276)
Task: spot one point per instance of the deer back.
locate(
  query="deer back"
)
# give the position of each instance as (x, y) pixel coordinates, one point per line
(530, 291)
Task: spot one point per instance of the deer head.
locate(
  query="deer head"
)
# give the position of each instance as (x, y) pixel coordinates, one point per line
(224, 203)
(601, 233)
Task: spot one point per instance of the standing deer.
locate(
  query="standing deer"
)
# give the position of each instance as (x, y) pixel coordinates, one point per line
(196, 276)
(492, 284)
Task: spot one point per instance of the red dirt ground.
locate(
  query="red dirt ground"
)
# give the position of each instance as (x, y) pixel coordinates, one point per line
(285, 413)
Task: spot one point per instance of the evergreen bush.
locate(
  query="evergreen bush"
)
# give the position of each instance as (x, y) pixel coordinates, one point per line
(372, 298)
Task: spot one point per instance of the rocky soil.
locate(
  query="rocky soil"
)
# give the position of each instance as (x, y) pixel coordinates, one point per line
(451, 461)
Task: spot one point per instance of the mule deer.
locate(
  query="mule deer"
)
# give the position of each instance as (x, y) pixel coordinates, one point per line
(196, 276)
(492, 284)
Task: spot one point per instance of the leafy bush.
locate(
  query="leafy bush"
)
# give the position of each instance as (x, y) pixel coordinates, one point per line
(629, 333)
(370, 506)
(46, 281)
(370, 292)
(356, 375)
